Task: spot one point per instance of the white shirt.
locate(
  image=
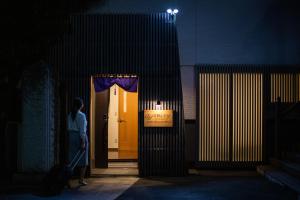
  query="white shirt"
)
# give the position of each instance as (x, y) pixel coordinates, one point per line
(79, 124)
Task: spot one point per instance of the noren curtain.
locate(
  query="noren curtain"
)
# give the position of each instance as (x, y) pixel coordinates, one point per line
(129, 84)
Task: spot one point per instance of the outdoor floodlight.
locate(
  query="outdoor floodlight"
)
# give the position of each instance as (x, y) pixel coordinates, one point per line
(172, 12)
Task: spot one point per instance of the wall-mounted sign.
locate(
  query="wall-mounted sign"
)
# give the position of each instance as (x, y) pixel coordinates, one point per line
(158, 118)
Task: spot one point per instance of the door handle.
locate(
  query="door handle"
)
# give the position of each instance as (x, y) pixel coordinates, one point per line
(105, 117)
(121, 120)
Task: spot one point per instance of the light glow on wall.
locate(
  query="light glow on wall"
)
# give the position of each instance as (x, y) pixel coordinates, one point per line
(125, 102)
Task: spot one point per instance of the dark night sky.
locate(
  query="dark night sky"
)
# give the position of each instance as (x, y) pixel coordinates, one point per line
(232, 31)
(210, 31)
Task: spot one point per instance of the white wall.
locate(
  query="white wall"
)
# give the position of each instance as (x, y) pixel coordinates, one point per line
(113, 115)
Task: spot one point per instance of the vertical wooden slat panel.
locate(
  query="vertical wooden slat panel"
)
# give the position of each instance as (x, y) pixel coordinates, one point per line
(213, 120)
(218, 139)
(298, 87)
(254, 116)
(251, 130)
(260, 147)
(144, 45)
(254, 91)
(213, 116)
(239, 118)
(209, 133)
(244, 115)
(234, 121)
(246, 106)
(283, 85)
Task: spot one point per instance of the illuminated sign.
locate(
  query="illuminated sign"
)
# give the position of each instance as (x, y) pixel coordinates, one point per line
(158, 118)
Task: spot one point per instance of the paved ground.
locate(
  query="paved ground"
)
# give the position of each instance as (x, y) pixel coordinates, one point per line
(191, 187)
(97, 189)
(207, 188)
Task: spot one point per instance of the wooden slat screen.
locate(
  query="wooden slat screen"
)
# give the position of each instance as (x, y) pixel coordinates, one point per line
(252, 92)
(214, 117)
(230, 117)
(297, 89)
(136, 44)
(283, 86)
(247, 117)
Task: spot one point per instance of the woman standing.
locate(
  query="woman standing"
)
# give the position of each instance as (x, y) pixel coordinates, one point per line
(77, 124)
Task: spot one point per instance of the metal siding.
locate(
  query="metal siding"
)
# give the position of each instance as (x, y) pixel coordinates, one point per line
(144, 45)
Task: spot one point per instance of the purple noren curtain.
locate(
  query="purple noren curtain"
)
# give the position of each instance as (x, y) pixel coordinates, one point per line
(129, 83)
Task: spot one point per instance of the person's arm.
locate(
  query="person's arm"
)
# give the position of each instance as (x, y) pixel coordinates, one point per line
(82, 129)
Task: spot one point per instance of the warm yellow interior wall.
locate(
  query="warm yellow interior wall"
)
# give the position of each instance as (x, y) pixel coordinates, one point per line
(113, 115)
(128, 118)
(92, 120)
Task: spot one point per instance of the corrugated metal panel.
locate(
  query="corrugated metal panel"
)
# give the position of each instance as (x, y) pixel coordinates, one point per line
(144, 45)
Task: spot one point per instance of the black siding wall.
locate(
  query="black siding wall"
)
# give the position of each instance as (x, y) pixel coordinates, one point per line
(144, 45)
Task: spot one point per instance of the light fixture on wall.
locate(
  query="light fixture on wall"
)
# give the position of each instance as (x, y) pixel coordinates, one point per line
(172, 14)
(158, 105)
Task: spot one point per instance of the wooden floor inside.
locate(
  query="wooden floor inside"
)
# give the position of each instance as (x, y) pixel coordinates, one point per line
(117, 154)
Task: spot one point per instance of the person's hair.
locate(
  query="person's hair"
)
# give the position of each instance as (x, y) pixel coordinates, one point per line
(77, 103)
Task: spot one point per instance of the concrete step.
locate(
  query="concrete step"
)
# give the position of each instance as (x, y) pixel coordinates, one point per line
(27, 178)
(122, 165)
(99, 172)
(294, 157)
(281, 177)
(22, 183)
(290, 167)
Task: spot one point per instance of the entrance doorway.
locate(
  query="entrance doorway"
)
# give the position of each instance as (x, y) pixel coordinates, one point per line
(122, 125)
(113, 127)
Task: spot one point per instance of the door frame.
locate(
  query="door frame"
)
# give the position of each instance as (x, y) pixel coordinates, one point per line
(92, 109)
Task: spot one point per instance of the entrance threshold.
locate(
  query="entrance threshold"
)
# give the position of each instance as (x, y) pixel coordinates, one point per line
(117, 169)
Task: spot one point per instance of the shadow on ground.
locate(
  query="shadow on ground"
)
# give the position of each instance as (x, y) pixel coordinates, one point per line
(199, 187)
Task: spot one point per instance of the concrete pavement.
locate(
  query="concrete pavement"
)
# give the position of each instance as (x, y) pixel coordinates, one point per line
(107, 188)
(201, 187)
